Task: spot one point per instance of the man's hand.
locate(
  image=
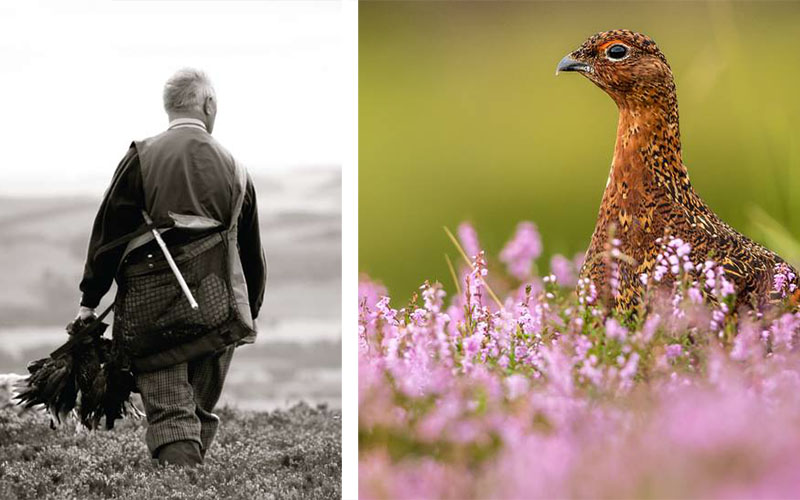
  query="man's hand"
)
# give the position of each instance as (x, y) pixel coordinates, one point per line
(85, 316)
(85, 313)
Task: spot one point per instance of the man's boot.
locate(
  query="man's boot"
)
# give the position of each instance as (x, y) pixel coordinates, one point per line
(184, 453)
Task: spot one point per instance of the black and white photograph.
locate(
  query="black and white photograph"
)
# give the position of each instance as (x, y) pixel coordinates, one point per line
(171, 249)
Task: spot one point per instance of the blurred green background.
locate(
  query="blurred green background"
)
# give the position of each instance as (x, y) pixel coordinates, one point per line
(462, 118)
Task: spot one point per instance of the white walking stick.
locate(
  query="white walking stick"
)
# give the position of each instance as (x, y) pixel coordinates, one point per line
(171, 262)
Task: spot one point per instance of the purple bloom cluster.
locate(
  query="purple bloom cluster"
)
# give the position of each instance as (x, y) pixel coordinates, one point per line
(784, 280)
(469, 239)
(554, 395)
(566, 270)
(522, 250)
(699, 284)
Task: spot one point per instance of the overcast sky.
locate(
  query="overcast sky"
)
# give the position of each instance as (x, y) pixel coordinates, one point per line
(81, 80)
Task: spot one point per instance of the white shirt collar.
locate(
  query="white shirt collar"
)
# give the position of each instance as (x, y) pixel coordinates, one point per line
(187, 122)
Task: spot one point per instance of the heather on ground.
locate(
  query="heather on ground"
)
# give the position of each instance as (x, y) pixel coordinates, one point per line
(293, 453)
(523, 384)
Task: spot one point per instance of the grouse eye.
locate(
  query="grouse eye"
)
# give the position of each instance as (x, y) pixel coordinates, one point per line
(617, 52)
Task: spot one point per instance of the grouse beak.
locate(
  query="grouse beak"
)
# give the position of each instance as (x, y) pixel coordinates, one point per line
(571, 64)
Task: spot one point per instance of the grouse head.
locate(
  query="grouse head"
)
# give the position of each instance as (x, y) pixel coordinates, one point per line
(627, 65)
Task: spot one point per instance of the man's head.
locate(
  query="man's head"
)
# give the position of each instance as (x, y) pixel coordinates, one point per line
(627, 65)
(189, 94)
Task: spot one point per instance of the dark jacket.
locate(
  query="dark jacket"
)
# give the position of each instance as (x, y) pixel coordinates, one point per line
(204, 189)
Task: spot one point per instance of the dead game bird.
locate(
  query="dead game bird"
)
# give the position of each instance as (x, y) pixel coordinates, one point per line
(84, 375)
(648, 194)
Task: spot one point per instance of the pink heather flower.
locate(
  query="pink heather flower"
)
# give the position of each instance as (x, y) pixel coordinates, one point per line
(582, 346)
(521, 353)
(472, 344)
(419, 316)
(746, 343)
(469, 239)
(578, 259)
(659, 271)
(520, 252)
(516, 385)
(717, 317)
(726, 288)
(587, 292)
(478, 378)
(709, 273)
(615, 279)
(779, 282)
(387, 313)
(369, 292)
(695, 295)
(674, 266)
(564, 270)
(627, 372)
(503, 361)
(590, 370)
(681, 249)
(531, 323)
(783, 330)
(783, 280)
(479, 265)
(474, 282)
(614, 330)
(674, 351)
(650, 326)
(559, 369)
(433, 296)
(673, 259)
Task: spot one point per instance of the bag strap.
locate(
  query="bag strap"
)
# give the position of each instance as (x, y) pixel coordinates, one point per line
(241, 180)
(236, 209)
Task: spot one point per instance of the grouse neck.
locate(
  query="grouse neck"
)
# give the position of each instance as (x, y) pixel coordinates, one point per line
(648, 148)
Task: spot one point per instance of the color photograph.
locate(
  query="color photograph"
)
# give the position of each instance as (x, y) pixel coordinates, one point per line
(567, 288)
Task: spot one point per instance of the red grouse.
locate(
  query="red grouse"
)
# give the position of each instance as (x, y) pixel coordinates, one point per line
(648, 194)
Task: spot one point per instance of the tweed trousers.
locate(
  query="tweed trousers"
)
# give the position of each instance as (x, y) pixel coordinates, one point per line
(179, 400)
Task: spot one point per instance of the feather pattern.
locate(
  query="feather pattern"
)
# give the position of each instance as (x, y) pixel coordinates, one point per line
(85, 375)
(649, 195)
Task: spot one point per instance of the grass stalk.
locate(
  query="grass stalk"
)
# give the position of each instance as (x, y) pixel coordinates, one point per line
(469, 263)
(453, 273)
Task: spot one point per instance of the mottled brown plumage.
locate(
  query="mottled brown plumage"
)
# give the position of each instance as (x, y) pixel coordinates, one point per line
(648, 194)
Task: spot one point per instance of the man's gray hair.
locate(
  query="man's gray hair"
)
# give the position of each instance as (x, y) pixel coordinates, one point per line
(187, 90)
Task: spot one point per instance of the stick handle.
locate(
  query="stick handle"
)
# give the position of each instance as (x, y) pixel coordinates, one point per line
(171, 262)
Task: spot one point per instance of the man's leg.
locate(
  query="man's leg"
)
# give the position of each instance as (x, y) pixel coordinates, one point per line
(173, 427)
(207, 376)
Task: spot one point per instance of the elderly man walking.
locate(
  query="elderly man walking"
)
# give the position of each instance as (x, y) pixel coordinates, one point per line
(202, 203)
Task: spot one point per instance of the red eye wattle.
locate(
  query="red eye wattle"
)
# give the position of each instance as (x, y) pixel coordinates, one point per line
(617, 51)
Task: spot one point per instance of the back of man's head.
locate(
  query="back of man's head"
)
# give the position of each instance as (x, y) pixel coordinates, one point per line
(189, 93)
